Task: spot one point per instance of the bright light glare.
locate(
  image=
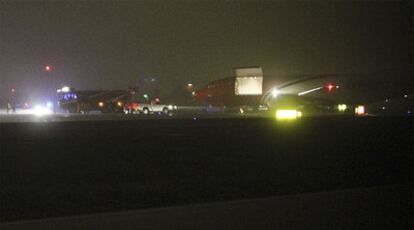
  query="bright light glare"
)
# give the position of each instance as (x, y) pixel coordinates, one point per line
(49, 104)
(288, 114)
(119, 103)
(360, 110)
(39, 110)
(100, 104)
(342, 107)
(65, 89)
(309, 91)
(275, 92)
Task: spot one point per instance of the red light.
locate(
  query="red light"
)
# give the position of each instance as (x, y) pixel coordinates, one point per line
(330, 87)
(134, 105)
(48, 68)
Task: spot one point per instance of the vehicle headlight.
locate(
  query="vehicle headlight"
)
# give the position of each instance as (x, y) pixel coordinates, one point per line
(39, 110)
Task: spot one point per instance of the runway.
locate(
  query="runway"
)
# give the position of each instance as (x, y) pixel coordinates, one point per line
(61, 169)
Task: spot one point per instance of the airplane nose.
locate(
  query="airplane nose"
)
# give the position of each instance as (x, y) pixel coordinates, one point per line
(197, 93)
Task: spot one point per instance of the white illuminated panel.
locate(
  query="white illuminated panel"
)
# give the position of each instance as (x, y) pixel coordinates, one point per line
(249, 72)
(248, 85)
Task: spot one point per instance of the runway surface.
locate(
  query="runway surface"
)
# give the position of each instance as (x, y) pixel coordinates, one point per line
(61, 169)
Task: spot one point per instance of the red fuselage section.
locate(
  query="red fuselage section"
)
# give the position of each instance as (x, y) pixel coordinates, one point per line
(222, 93)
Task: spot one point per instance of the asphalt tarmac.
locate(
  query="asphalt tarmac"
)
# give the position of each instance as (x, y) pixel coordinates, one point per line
(72, 168)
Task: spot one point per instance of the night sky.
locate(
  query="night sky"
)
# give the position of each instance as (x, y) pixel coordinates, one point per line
(113, 45)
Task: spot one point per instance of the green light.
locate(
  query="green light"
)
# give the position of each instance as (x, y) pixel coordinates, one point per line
(288, 114)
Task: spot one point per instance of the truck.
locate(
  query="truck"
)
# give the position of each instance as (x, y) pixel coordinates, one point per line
(153, 106)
